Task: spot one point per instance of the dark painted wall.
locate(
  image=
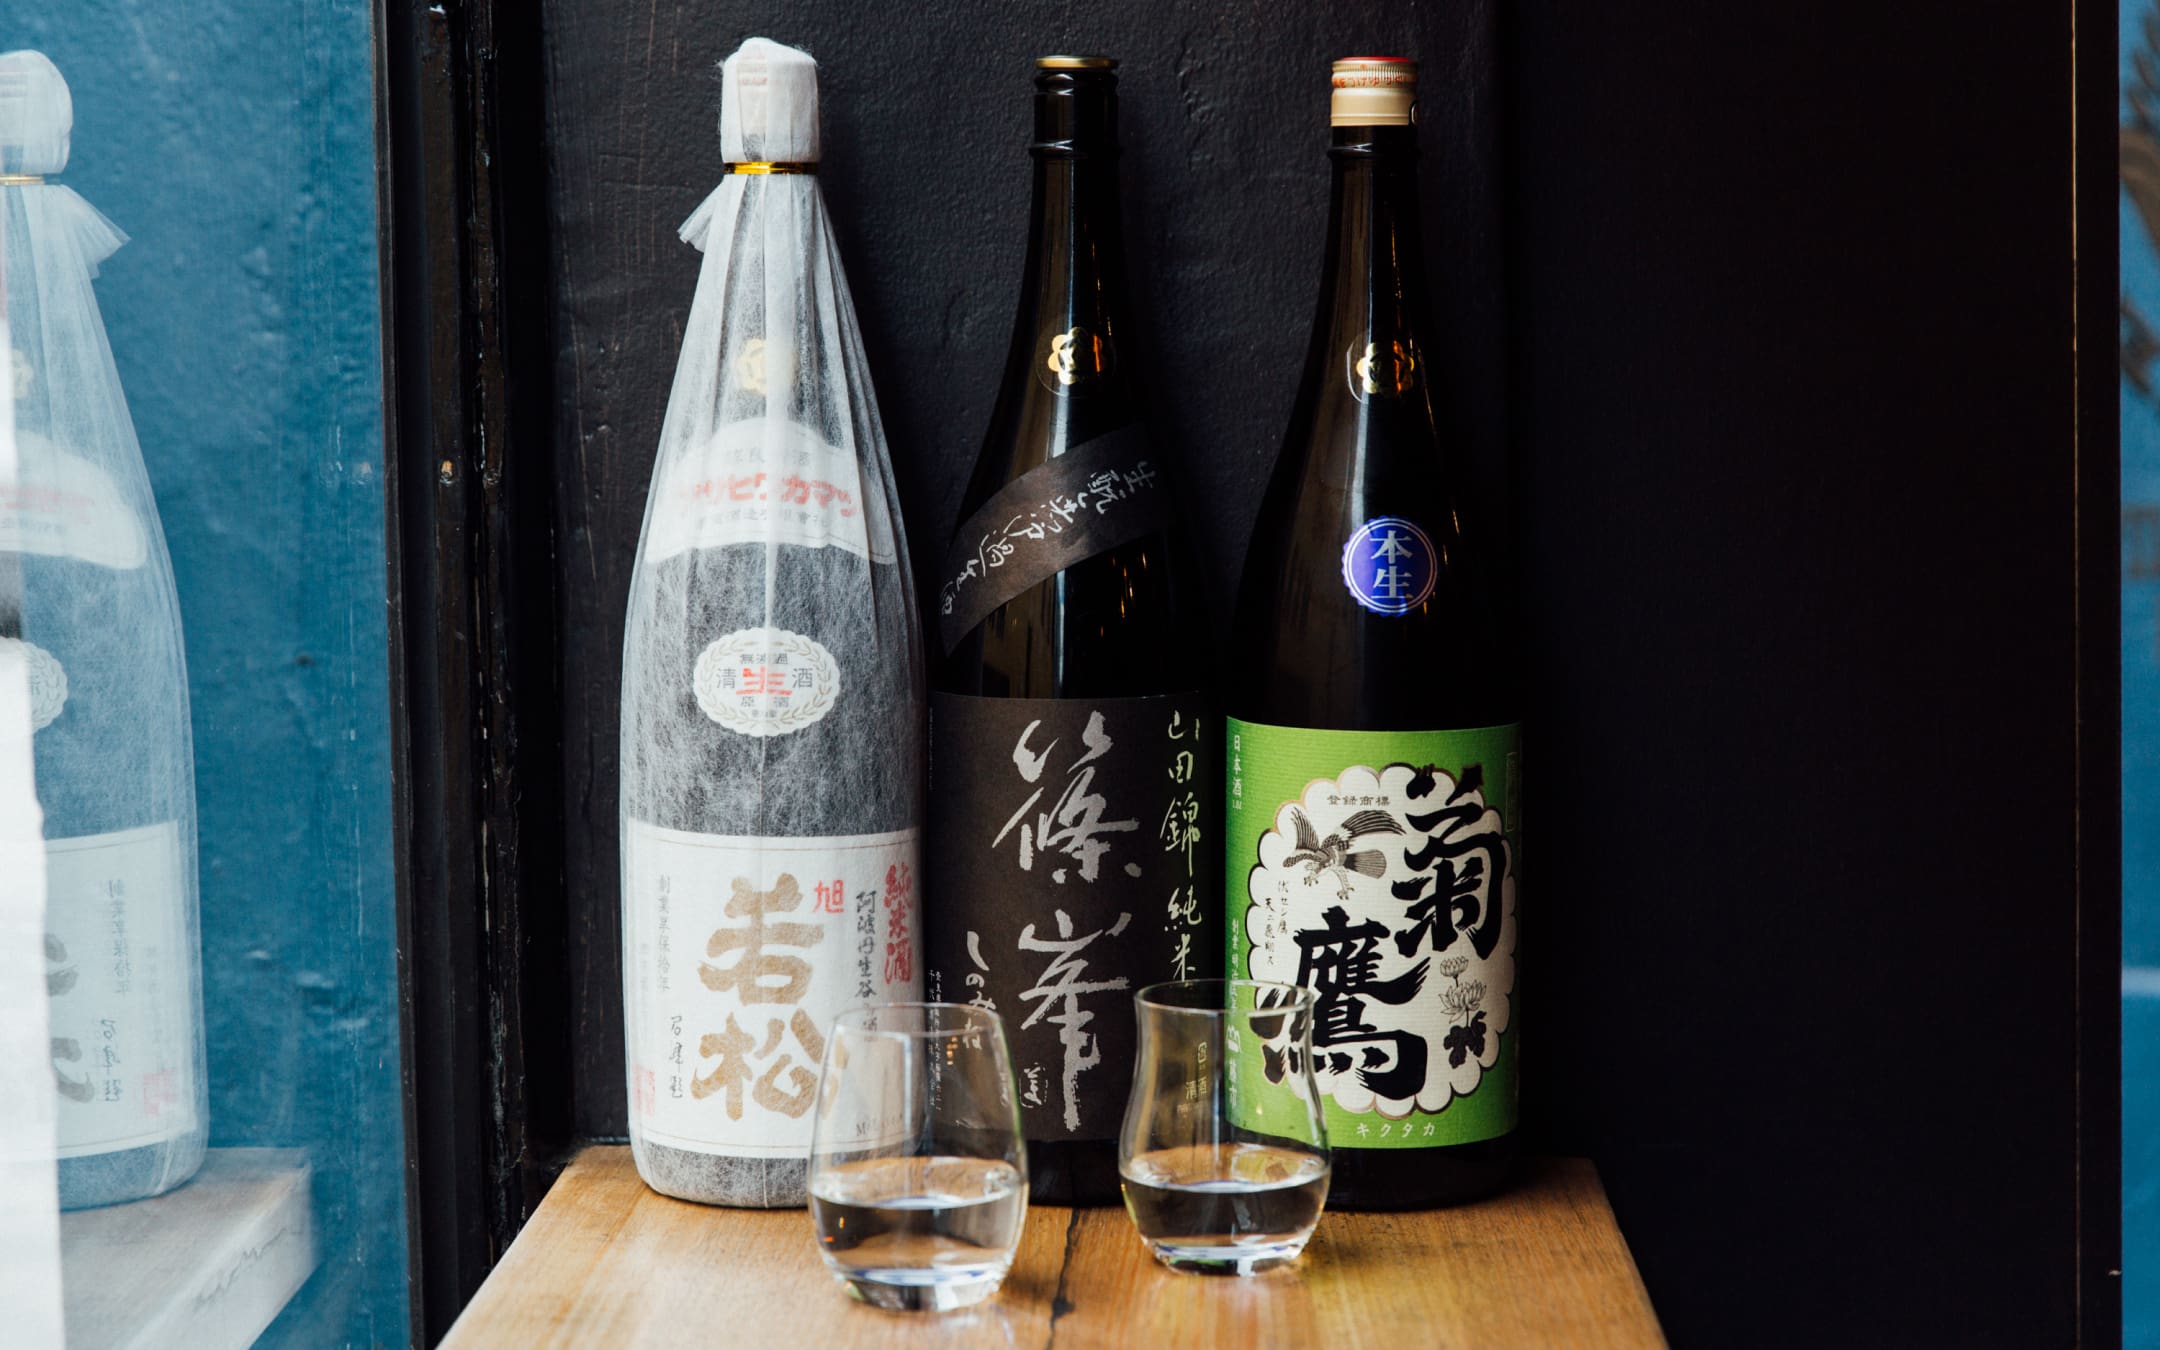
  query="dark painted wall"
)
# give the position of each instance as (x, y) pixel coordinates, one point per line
(1775, 311)
(1797, 401)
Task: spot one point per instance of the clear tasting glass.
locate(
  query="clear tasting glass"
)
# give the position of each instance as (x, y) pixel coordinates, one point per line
(1224, 1155)
(918, 1175)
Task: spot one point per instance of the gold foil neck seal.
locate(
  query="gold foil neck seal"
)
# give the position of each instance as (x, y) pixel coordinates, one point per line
(1075, 63)
(1373, 91)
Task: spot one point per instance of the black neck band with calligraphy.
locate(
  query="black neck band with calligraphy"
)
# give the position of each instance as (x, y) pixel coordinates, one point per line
(1094, 497)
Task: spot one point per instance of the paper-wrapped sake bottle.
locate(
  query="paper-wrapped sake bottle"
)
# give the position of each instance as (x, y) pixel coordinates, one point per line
(87, 603)
(773, 717)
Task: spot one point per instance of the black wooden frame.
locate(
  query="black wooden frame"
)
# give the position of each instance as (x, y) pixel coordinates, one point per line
(472, 624)
(2098, 438)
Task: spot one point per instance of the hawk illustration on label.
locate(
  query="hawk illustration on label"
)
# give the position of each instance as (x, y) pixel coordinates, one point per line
(1333, 855)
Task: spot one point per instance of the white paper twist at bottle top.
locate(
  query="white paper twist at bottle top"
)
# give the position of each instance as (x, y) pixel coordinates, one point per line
(37, 117)
(73, 432)
(36, 114)
(768, 105)
(771, 371)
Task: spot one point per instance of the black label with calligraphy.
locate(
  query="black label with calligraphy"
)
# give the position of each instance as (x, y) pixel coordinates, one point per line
(1094, 497)
(1073, 859)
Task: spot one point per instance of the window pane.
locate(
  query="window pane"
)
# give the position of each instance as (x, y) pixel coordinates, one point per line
(193, 574)
(2140, 212)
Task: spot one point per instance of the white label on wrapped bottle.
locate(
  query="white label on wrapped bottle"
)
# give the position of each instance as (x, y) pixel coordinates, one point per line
(737, 954)
(48, 681)
(63, 506)
(766, 681)
(117, 970)
(767, 480)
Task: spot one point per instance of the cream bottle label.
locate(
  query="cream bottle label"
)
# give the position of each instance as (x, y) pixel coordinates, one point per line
(116, 971)
(738, 952)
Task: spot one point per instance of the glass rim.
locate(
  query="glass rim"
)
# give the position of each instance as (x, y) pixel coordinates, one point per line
(1152, 997)
(973, 1019)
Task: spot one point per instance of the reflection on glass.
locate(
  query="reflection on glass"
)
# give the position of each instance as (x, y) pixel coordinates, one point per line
(29, 1194)
(198, 431)
(97, 625)
(2140, 405)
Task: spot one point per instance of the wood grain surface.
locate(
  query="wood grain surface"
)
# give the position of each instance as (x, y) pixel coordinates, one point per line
(606, 1261)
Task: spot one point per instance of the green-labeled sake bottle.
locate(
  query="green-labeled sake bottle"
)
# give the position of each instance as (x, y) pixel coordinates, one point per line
(1373, 830)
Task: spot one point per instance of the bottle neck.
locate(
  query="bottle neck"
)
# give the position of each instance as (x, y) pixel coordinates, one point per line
(1373, 291)
(1076, 260)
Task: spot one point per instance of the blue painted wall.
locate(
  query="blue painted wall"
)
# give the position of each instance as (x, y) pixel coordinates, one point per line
(2141, 732)
(234, 140)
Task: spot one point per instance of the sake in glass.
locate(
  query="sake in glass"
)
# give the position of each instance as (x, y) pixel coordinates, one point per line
(1224, 1154)
(918, 1174)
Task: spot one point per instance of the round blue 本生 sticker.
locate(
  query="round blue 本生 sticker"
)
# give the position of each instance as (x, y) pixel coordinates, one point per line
(1390, 565)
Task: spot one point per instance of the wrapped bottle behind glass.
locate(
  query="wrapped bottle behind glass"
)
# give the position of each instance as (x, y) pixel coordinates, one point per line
(772, 697)
(87, 601)
(1374, 829)
(1073, 757)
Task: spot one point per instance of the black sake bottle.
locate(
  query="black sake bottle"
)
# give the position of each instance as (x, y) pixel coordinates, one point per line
(1373, 831)
(1074, 799)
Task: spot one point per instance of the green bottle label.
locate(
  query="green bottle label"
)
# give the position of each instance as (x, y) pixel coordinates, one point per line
(1379, 870)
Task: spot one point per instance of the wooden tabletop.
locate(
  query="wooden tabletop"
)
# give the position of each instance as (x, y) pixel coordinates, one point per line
(607, 1262)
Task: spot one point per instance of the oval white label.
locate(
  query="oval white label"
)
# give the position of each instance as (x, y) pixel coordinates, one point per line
(48, 681)
(766, 681)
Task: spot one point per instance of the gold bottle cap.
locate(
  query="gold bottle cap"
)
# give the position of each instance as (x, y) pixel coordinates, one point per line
(1075, 63)
(1373, 91)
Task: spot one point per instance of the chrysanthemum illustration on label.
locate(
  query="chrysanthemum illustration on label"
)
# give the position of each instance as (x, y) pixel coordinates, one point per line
(1391, 895)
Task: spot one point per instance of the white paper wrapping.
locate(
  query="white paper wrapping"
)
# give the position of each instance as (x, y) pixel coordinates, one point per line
(772, 681)
(94, 622)
(768, 105)
(29, 1192)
